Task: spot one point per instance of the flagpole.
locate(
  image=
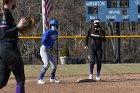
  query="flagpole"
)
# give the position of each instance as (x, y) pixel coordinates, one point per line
(43, 17)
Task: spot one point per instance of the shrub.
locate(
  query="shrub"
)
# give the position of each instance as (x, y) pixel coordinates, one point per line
(64, 51)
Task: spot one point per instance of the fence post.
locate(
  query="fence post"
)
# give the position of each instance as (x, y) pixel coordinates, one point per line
(117, 44)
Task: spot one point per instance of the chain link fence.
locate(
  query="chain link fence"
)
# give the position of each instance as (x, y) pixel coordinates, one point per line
(129, 47)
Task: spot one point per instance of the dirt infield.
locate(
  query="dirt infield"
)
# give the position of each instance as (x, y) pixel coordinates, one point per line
(120, 83)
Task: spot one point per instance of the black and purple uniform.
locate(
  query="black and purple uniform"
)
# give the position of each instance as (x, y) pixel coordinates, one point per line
(95, 46)
(10, 58)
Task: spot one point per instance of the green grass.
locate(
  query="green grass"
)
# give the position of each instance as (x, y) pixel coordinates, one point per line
(83, 69)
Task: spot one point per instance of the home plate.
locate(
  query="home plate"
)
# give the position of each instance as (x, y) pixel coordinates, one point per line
(85, 80)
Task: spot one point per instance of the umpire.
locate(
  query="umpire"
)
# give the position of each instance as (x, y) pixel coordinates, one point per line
(94, 38)
(10, 58)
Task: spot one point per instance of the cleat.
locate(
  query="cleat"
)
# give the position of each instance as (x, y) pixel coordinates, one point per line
(54, 81)
(41, 82)
(90, 76)
(98, 79)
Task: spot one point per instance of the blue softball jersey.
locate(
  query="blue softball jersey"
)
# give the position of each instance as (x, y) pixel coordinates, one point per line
(49, 38)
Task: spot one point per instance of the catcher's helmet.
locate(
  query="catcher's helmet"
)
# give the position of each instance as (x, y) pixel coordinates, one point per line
(53, 22)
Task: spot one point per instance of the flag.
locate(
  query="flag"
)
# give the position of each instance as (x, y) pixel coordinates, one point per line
(46, 8)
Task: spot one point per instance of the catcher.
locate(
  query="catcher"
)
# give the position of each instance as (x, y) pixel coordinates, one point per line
(10, 58)
(95, 37)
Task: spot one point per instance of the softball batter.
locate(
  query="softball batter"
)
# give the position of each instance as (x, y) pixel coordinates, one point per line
(46, 52)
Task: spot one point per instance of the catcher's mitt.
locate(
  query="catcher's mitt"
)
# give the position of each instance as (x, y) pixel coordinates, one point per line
(28, 25)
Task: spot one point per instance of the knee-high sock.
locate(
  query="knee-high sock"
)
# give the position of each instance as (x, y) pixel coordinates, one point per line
(53, 73)
(98, 69)
(20, 88)
(91, 67)
(42, 73)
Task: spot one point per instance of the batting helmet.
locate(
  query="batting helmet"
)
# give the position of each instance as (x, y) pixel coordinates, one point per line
(53, 22)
